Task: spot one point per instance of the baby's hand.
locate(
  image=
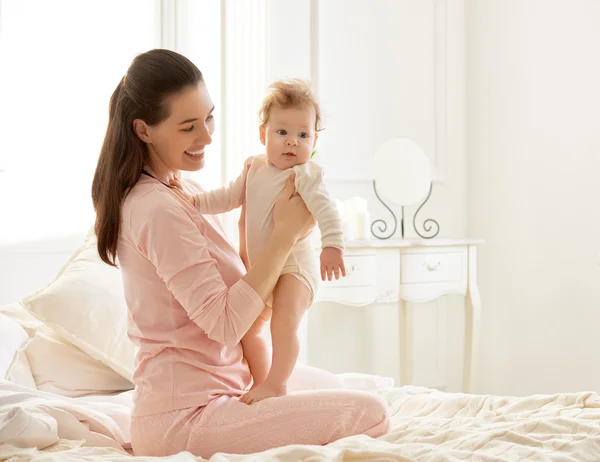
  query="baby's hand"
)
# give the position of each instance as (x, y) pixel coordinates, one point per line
(175, 183)
(332, 262)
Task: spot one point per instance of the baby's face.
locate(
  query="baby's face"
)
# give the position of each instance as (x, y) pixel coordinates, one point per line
(289, 136)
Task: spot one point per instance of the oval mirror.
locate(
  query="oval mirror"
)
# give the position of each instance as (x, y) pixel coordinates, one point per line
(402, 172)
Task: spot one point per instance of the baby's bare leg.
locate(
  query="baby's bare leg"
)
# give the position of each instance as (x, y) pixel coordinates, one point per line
(291, 299)
(256, 349)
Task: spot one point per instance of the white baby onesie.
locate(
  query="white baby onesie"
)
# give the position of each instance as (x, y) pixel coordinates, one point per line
(258, 186)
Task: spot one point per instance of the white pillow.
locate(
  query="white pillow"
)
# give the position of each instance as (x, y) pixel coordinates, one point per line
(50, 363)
(61, 368)
(20, 372)
(13, 339)
(86, 306)
(18, 313)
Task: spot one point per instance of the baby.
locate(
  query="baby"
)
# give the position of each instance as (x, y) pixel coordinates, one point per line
(290, 120)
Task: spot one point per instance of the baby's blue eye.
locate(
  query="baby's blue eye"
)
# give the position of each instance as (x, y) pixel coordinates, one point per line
(281, 132)
(303, 135)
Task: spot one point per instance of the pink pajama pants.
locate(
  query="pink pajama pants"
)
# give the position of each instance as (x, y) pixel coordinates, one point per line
(317, 410)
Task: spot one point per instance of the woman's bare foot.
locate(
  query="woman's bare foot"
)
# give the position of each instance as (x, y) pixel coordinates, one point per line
(263, 391)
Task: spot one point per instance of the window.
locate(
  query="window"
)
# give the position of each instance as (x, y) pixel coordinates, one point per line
(59, 63)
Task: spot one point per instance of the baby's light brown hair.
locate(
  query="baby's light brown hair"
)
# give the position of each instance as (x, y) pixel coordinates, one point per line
(294, 93)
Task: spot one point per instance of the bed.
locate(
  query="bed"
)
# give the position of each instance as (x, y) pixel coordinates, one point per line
(65, 394)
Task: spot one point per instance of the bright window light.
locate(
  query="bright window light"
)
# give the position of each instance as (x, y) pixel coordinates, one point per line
(59, 63)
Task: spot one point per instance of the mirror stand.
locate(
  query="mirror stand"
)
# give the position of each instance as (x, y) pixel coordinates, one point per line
(429, 225)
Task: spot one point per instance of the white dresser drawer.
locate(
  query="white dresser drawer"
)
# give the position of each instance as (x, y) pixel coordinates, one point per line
(432, 267)
(360, 271)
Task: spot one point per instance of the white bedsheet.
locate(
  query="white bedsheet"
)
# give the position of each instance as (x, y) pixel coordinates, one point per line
(427, 426)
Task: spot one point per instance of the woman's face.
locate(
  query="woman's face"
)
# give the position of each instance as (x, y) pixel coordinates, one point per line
(178, 142)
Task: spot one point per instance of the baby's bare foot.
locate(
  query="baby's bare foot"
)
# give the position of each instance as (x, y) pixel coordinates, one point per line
(260, 392)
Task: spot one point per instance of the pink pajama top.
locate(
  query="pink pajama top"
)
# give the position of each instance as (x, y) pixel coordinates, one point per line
(188, 306)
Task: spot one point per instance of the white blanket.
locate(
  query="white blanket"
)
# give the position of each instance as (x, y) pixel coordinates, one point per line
(427, 425)
(36, 419)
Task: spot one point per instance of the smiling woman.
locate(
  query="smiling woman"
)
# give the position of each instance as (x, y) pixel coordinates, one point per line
(159, 110)
(54, 85)
(179, 143)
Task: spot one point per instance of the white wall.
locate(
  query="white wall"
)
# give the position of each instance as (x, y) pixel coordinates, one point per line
(382, 69)
(533, 190)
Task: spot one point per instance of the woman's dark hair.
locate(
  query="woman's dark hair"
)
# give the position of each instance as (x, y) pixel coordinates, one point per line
(143, 93)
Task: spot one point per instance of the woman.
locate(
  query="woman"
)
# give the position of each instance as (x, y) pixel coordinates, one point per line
(189, 297)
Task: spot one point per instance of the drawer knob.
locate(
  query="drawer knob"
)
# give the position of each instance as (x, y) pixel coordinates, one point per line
(432, 266)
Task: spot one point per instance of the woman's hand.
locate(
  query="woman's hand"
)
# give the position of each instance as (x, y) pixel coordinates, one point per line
(290, 215)
(291, 221)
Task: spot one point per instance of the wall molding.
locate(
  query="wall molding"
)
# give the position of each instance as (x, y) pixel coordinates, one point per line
(364, 180)
(440, 87)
